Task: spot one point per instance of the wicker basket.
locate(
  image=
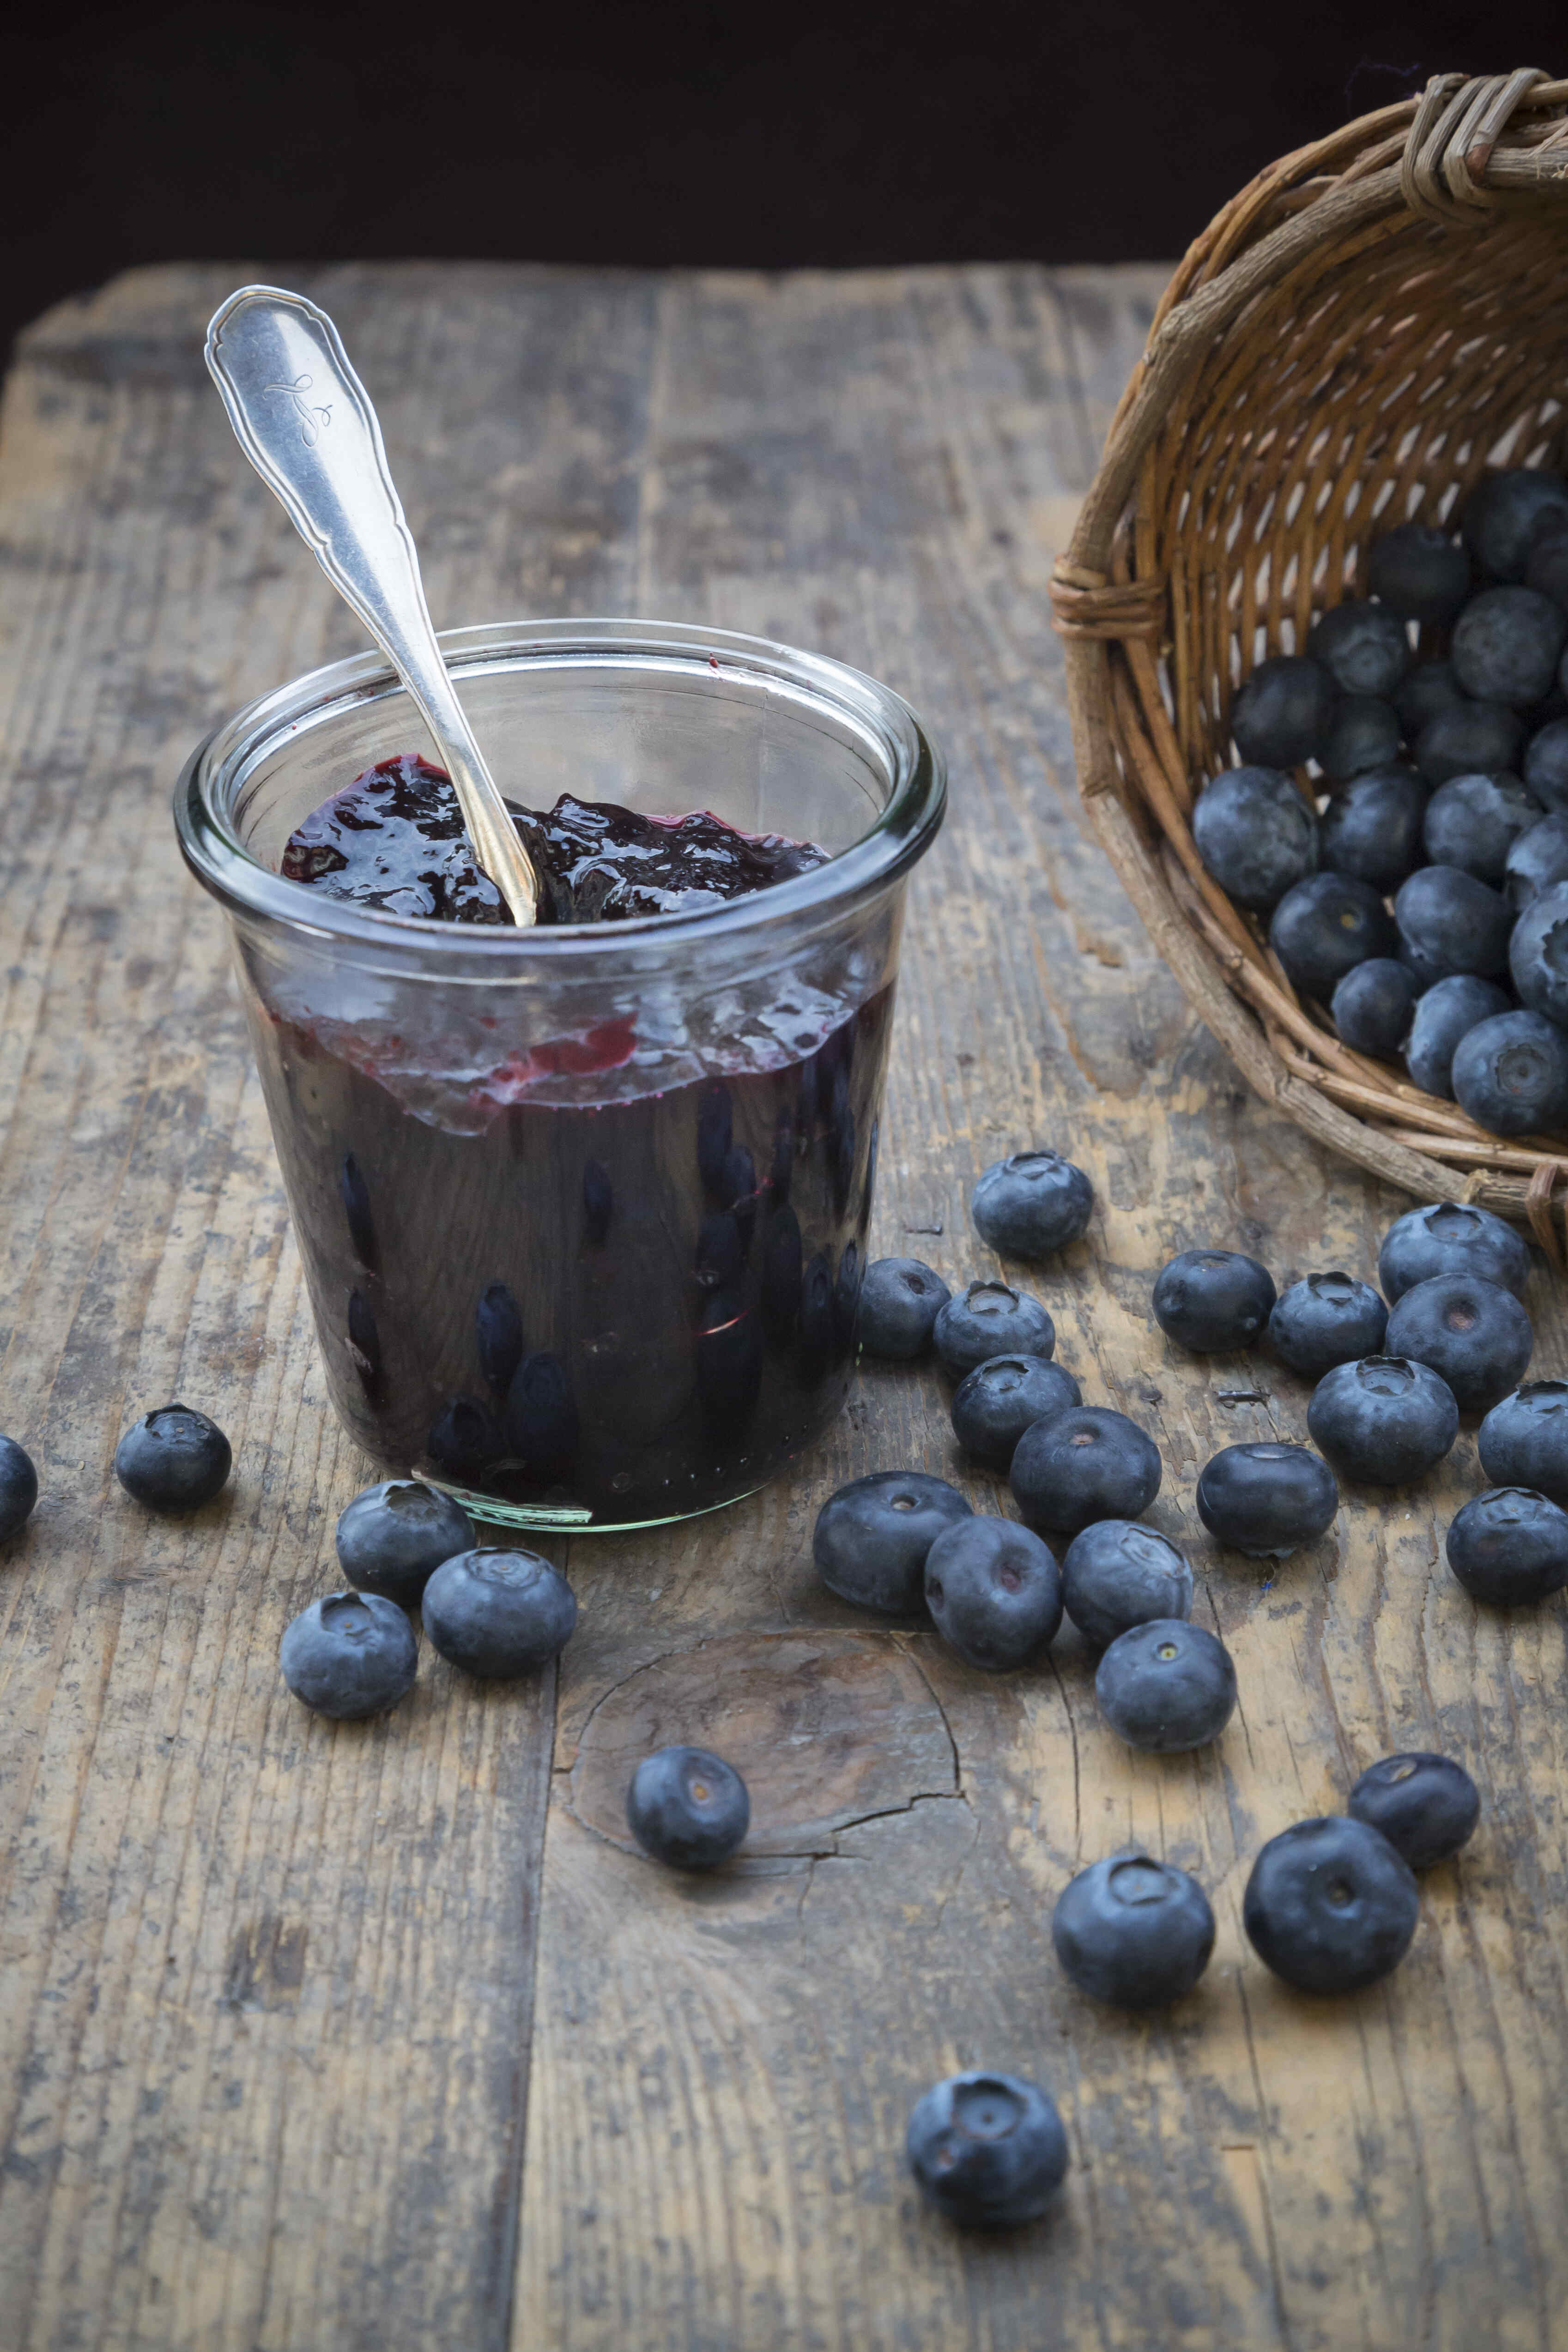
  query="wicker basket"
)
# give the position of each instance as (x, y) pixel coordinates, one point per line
(1363, 329)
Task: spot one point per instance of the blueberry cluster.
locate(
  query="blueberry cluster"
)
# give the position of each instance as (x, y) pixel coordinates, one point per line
(1416, 881)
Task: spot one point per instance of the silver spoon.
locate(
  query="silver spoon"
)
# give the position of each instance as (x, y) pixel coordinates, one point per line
(304, 420)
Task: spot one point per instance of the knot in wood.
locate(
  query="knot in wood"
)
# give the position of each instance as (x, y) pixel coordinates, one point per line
(1085, 605)
(1458, 122)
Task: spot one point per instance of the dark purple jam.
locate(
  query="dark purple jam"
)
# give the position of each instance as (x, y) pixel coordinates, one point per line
(534, 1278)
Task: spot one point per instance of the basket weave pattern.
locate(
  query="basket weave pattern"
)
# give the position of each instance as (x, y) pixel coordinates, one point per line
(1368, 325)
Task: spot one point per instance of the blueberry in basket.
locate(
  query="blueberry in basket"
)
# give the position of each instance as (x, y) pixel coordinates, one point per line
(1509, 1547)
(1444, 1013)
(1373, 1006)
(392, 1537)
(1506, 645)
(1281, 711)
(1363, 733)
(1419, 572)
(1370, 831)
(1266, 1499)
(1470, 739)
(871, 1538)
(1032, 1204)
(350, 1654)
(1213, 1301)
(1448, 922)
(1546, 567)
(1545, 765)
(19, 1487)
(987, 2150)
(1383, 1420)
(1362, 647)
(1256, 836)
(1426, 1806)
(1166, 1686)
(1505, 514)
(1132, 1932)
(1523, 1441)
(994, 1593)
(688, 1808)
(1324, 925)
(999, 1399)
(1473, 822)
(1430, 687)
(1538, 954)
(900, 1299)
(173, 1459)
(499, 1613)
(1510, 1074)
(990, 1318)
(1329, 1905)
(1326, 1319)
(1085, 1465)
(1473, 1334)
(1116, 1574)
(1450, 1237)
(1537, 860)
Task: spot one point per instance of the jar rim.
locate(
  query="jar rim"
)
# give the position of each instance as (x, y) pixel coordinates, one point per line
(901, 832)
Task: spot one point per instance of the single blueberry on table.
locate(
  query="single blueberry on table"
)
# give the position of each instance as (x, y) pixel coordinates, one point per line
(19, 1487)
(498, 1614)
(1330, 1906)
(1256, 833)
(1426, 1806)
(1469, 739)
(1278, 717)
(1444, 1013)
(1449, 921)
(1383, 1420)
(1509, 1547)
(1361, 733)
(1473, 1333)
(1373, 1006)
(1266, 1500)
(1084, 1464)
(1213, 1300)
(1430, 687)
(1032, 1204)
(350, 1654)
(173, 1459)
(988, 2150)
(990, 1318)
(1370, 831)
(1419, 572)
(1545, 767)
(1506, 645)
(1166, 1686)
(1523, 1441)
(688, 1808)
(1364, 648)
(1133, 1932)
(999, 1399)
(1116, 1574)
(1510, 1074)
(391, 1538)
(871, 1538)
(1538, 954)
(900, 1299)
(994, 1593)
(1504, 515)
(1325, 926)
(1448, 1237)
(1326, 1319)
(1537, 860)
(1473, 822)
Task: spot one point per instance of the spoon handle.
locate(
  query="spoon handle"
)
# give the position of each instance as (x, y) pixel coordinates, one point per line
(305, 421)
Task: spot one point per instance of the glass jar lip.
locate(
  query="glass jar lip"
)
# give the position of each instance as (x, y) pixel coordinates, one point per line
(902, 832)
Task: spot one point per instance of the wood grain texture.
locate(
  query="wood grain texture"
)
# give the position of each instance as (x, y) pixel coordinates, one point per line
(271, 2012)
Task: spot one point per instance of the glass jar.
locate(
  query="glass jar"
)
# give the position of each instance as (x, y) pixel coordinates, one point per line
(583, 1209)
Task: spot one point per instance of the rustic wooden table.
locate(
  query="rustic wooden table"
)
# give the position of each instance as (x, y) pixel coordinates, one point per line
(380, 2036)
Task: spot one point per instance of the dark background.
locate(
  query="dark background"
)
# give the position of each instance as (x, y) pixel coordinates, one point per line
(682, 130)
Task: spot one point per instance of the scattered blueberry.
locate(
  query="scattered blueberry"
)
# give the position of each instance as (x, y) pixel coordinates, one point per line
(871, 1538)
(1383, 1420)
(1032, 1205)
(1326, 1319)
(1087, 1464)
(901, 1299)
(688, 1808)
(392, 1536)
(1363, 733)
(1538, 954)
(173, 1459)
(1166, 1685)
(1427, 690)
(999, 1399)
(1373, 1006)
(1545, 767)
(1509, 1547)
(19, 1487)
(1523, 1441)
(1473, 1334)
(1266, 1500)
(1329, 1905)
(348, 1654)
(1278, 717)
(1503, 514)
(1362, 647)
(1417, 570)
(1133, 1932)
(1510, 1074)
(1471, 738)
(994, 1593)
(1370, 831)
(1444, 1013)
(498, 1614)
(1537, 860)
(1325, 925)
(1213, 1300)
(1448, 921)
(1116, 1574)
(988, 2150)
(1506, 645)
(990, 1318)
(1473, 822)
(1425, 1806)
(1448, 1237)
